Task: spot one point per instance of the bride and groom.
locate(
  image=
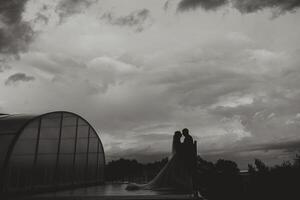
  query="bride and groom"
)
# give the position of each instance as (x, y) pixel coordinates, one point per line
(177, 174)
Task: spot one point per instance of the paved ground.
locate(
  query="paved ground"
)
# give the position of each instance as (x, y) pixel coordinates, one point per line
(107, 192)
(147, 197)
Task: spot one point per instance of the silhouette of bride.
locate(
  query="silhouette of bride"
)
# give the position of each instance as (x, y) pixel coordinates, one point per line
(175, 175)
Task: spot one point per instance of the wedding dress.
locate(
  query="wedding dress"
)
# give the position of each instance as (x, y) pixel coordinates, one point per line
(174, 176)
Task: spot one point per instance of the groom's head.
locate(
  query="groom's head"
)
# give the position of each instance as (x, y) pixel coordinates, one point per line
(185, 132)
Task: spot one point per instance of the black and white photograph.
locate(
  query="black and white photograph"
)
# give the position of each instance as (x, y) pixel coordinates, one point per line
(149, 99)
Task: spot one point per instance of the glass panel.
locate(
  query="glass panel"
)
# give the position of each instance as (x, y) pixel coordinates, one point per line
(49, 121)
(93, 134)
(45, 170)
(29, 133)
(93, 145)
(33, 124)
(46, 160)
(65, 169)
(68, 132)
(26, 146)
(20, 172)
(81, 122)
(100, 146)
(21, 161)
(31, 130)
(80, 164)
(66, 161)
(100, 167)
(83, 131)
(69, 120)
(53, 116)
(50, 126)
(5, 141)
(101, 159)
(48, 146)
(49, 133)
(92, 167)
(82, 145)
(67, 146)
(69, 114)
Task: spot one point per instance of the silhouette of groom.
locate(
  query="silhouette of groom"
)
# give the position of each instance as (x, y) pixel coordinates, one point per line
(188, 148)
(189, 157)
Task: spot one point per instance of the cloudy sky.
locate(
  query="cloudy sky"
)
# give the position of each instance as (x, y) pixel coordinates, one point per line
(138, 70)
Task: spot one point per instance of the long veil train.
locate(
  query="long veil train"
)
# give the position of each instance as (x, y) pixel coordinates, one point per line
(175, 175)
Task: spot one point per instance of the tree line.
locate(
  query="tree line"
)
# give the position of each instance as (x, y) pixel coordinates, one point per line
(221, 179)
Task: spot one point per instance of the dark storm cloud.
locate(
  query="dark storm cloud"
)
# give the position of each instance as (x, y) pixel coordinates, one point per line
(244, 6)
(135, 19)
(15, 38)
(11, 10)
(66, 8)
(205, 4)
(285, 146)
(18, 77)
(249, 6)
(288, 146)
(15, 34)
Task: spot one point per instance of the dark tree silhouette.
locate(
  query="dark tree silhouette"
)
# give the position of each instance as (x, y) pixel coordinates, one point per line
(227, 167)
(261, 166)
(124, 170)
(222, 179)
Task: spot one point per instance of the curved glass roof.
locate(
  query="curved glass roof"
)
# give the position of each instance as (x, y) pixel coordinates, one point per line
(56, 149)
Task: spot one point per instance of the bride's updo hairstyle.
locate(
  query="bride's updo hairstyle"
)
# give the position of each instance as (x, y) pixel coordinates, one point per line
(176, 141)
(177, 134)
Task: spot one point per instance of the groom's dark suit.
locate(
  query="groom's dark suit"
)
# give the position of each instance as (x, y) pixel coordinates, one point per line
(188, 148)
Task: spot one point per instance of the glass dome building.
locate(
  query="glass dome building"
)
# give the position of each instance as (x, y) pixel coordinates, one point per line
(53, 150)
